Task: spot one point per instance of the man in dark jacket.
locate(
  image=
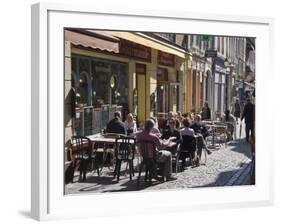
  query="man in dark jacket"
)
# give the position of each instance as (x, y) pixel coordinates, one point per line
(249, 114)
(116, 125)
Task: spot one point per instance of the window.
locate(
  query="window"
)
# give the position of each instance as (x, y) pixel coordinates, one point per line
(168, 36)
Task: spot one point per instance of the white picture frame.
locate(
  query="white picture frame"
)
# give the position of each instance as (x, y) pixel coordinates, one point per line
(48, 201)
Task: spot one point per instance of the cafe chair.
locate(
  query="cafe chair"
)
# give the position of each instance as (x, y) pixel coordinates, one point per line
(221, 134)
(147, 162)
(124, 152)
(175, 157)
(82, 150)
(188, 148)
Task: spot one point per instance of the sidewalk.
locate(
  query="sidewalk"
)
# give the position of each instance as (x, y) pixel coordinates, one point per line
(227, 166)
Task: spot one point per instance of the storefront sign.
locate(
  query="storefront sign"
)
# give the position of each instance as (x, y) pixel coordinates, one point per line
(134, 50)
(166, 59)
(140, 69)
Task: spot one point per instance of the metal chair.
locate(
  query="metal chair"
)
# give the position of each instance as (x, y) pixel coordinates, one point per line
(221, 134)
(188, 148)
(82, 149)
(124, 152)
(147, 150)
(175, 157)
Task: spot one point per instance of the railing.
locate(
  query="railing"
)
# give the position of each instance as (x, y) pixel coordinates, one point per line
(89, 120)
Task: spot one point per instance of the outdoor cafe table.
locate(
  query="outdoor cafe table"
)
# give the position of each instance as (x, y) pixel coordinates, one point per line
(213, 128)
(105, 141)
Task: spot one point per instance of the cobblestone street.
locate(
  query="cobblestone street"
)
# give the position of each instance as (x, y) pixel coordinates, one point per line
(226, 166)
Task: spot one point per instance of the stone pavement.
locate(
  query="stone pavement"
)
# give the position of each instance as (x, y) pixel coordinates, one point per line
(226, 166)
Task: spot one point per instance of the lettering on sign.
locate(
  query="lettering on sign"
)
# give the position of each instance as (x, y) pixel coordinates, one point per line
(140, 69)
(135, 50)
(166, 59)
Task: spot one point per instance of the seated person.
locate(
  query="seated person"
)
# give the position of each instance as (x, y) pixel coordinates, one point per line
(199, 127)
(130, 124)
(180, 118)
(166, 122)
(162, 156)
(200, 142)
(230, 120)
(187, 131)
(172, 131)
(116, 125)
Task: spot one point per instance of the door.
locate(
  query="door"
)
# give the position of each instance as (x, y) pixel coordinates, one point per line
(174, 96)
(162, 99)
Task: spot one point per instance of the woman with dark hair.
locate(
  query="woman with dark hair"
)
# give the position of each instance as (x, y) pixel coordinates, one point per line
(206, 112)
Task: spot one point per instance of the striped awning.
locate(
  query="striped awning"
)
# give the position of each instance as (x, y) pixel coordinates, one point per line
(91, 41)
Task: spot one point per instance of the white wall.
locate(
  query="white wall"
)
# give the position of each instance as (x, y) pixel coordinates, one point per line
(15, 109)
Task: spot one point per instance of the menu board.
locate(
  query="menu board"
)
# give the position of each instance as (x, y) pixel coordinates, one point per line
(104, 115)
(97, 120)
(78, 123)
(88, 121)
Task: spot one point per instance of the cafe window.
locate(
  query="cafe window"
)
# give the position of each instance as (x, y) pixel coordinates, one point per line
(101, 88)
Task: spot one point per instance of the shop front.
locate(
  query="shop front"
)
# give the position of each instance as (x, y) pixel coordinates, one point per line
(168, 84)
(101, 88)
(220, 87)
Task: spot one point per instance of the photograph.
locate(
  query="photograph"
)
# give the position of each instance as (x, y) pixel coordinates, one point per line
(152, 111)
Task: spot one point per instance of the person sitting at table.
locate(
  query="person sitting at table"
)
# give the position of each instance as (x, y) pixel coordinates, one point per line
(187, 131)
(172, 131)
(130, 124)
(229, 119)
(201, 129)
(180, 118)
(116, 125)
(166, 122)
(162, 156)
(200, 142)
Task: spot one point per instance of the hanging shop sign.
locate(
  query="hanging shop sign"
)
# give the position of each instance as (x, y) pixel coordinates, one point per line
(166, 59)
(134, 50)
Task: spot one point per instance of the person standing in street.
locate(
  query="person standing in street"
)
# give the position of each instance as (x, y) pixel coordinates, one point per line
(206, 112)
(249, 115)
(237, 110)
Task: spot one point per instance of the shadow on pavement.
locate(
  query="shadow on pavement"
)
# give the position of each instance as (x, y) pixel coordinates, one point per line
(240, 146)
(224, 178)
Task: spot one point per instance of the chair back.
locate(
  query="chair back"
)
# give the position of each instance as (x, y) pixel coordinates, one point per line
(147, 149)
(82, 147)
(125, 148)
(188, 143)
(220, 129)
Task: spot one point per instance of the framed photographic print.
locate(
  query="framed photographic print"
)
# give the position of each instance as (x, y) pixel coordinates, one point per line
(144, 108)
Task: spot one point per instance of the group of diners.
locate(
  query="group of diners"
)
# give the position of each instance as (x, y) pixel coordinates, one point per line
(174, 129)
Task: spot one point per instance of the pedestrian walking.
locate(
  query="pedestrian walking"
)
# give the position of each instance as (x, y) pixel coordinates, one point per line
(249, 115)
(237, 110)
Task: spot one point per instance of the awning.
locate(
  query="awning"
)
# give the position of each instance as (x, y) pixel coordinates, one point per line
(149, 42)
(79, 39)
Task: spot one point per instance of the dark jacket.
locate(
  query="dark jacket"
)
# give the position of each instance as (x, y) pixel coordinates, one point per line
(200, 128)
(168, 133)
(249, 113)
(206, 113)
(166, 124)
(115, 126)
